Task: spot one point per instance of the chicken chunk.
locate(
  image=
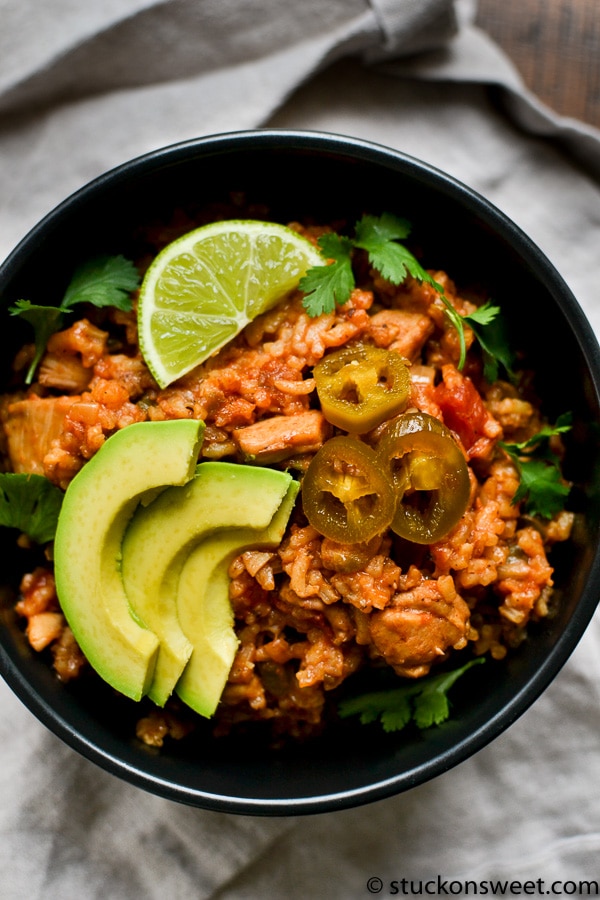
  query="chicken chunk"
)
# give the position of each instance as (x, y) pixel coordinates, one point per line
(63, 373)
(279, 437)
(31, 426)
(420, 626)
(44, 628)
(82, 340)
(402, 330)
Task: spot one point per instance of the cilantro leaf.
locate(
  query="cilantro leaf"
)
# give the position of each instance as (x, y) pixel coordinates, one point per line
(378, 236)
(431, 708)
(395, 263)
(392, 706)
(490, 330)
(541, 485)
(45, 320)
(539, 440)
(104, 281)
(425, 702)
(396, 716)
(372, 232)
(483, 315)
(30, 503)
(431, 705)
(542, 488)
(335, 246)
(326, 286)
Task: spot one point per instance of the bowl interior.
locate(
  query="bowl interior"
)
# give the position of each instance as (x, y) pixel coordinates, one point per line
(291, 176)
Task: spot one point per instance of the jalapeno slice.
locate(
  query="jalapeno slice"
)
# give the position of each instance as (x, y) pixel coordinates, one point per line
(430, 476)
(345, 494)
(360, 387)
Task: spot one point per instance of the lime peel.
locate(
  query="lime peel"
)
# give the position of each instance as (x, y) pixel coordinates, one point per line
(203, 288)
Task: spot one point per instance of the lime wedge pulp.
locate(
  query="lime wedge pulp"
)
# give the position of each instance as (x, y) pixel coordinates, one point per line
(204, 287)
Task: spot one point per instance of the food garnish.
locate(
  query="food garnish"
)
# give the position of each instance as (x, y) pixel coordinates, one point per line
(541, 484)
(203, 602)
(360, 387)
(130, 523)
(424, 702)
(30, 503)
(429, 474)
(103, 281)
(416, 482)
(204, 287)
(490, 330)
(346, 495)
(98, 505)
(239, 505)
(379, 236)
(326, 287)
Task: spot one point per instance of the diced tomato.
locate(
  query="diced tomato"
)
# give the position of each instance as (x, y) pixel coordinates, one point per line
(462, 408)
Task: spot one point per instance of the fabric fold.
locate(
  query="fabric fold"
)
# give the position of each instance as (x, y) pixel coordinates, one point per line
(410, 26)
(471, 57)
(173, 40)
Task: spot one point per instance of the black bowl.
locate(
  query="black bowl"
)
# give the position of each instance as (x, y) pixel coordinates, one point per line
(327, 177)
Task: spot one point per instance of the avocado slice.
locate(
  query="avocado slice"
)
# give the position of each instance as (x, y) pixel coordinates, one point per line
(97, 506)
(205, 610)
(161, 535)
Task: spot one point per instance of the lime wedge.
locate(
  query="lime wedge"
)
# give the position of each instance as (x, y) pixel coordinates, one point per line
(204, 287)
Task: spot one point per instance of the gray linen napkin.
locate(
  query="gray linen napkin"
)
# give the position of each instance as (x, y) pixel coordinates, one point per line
(85, 87)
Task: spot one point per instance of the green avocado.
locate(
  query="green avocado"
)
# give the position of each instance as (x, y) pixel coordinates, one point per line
(160, 537)
(97, 506)
(204, 607)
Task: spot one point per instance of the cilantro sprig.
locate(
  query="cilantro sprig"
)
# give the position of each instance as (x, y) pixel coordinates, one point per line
(30, 503)
(424, 702)
(103, 281)
(326, 286)
(541, 485)
(490, 330)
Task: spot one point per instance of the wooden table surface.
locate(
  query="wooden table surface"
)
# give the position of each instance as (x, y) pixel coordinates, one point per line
(555, 45)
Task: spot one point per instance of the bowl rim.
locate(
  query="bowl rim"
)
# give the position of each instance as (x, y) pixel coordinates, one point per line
(397, 160)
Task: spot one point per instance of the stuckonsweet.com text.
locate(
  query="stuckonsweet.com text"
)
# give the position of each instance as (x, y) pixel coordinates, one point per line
(438, 886)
